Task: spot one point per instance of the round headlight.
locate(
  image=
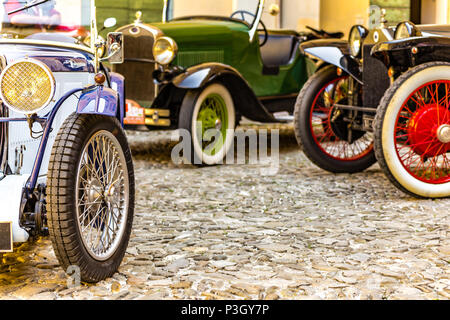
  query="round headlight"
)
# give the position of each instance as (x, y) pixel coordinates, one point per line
(405, 30)
(165, 50)
(356, 38)
(27, 86)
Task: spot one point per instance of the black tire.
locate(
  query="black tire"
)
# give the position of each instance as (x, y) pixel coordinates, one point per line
(385, 119)
(190, 108)
(62, 200)
(304, 131)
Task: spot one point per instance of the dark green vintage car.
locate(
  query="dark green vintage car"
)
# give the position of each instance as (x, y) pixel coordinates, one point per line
(204, 71)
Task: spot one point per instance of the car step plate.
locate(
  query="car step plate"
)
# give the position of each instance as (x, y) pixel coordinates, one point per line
(6, 239)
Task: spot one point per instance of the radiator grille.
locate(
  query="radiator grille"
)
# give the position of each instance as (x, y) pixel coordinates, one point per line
(375, 78)
(138, 75)
(6, 244)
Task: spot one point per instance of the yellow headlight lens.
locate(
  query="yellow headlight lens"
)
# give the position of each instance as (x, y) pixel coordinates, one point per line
(355, 42)
(27, 86)
(165, 50)
(357, 35)
(405, 30)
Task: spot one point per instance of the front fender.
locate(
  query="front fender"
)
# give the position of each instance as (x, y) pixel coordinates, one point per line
(99, 100)
(399, 52)
(335, 52)
(198, 76)
(246, 102)
(118, 85)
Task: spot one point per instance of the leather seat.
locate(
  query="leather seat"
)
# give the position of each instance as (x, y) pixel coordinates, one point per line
(279, 49)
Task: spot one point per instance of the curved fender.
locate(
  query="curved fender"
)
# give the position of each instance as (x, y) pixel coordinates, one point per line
(335, 52)
(118, 85)
(399, 51)
(196, 77)
(99, 100)
(246, 101)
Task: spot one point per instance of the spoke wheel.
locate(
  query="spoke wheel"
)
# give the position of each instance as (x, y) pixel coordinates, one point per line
(321, 128)
(102, 189)
(413, 131)
(421, 137)
(90, 199)
(209, 117)
(212, 122)
(330, 131)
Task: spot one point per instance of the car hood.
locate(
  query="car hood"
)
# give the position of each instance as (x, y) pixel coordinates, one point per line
(58, 58)
(207, 32)
(205, 40)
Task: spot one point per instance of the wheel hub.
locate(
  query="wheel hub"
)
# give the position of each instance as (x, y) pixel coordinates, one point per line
(110, 193)
(443, 133)
(218, 124)
(427, 136)
(341, 127)
(94, 191)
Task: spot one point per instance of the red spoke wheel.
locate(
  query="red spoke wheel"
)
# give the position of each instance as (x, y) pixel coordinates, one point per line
(322, 129)
(413, 131)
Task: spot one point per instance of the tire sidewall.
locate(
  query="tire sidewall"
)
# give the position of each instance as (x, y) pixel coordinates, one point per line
(198, 155)
(388, 116)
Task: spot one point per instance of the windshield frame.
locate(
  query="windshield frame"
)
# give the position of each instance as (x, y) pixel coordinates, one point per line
(253, 25)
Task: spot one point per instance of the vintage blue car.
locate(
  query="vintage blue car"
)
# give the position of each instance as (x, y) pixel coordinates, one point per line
(65, 164)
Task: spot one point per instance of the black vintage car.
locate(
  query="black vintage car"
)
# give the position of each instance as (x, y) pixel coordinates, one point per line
(384, 97)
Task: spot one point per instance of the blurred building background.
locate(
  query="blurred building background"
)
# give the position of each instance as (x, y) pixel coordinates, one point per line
(332, 15)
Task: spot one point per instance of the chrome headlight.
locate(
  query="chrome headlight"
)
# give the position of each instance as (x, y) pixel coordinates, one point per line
(27, 86)
(165, 50)
(357, 35)
(405, 30)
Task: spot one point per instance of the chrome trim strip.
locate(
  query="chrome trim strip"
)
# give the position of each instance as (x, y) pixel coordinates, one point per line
(47, 43)
(4, 141)
(153, 30)
(165, 11)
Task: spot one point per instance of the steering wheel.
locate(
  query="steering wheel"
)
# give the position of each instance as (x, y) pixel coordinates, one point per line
(243, 13)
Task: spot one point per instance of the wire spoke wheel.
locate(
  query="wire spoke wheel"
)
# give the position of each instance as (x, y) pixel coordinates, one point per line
(212, 124)
(326, 129)
(422, 133)
(412, 131)
(102, 189)
(209, 116)
(91, 192)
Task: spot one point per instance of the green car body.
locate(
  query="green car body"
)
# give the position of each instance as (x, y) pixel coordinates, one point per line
(258, 73)
(201, 41)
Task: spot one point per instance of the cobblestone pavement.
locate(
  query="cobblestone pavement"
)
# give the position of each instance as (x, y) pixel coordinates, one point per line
(229, 232)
